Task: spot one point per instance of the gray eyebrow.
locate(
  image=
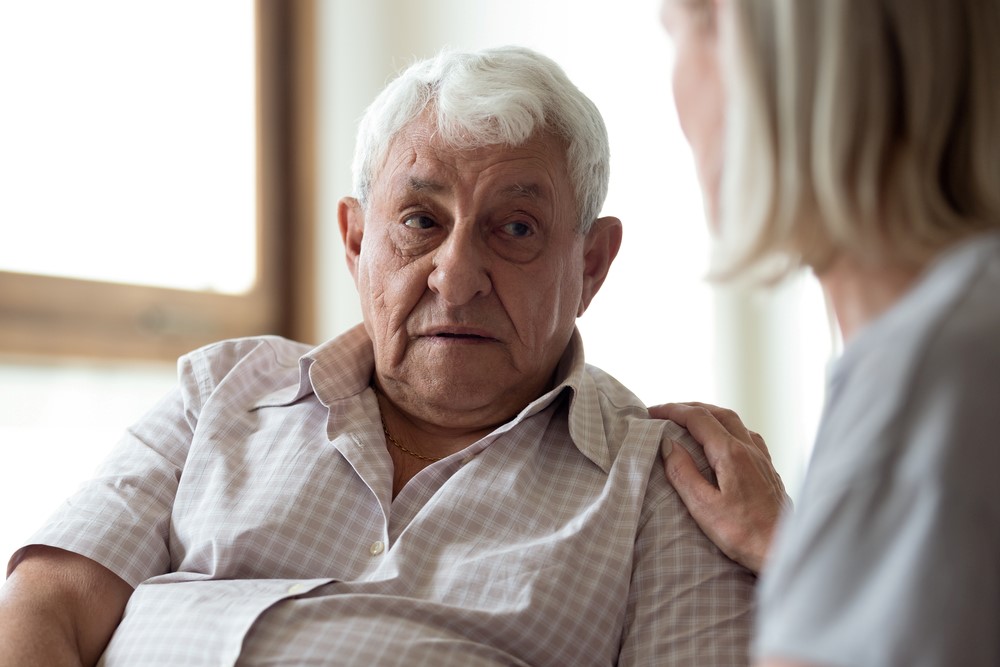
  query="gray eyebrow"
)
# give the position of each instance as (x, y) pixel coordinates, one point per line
(519, 190)
(515, 191)
(424, 185)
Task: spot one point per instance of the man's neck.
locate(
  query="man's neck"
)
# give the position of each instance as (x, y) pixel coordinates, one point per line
(413, 443)
(427, 438)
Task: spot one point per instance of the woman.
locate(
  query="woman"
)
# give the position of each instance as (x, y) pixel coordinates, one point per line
(860, 139)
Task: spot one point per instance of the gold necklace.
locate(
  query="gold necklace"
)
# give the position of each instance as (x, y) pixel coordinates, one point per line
(388, 435)
(385, 429)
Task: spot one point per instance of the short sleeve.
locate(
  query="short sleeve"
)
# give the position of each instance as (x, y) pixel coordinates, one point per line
(120, 517)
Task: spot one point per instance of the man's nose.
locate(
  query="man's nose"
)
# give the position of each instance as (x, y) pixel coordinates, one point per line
(460, 272)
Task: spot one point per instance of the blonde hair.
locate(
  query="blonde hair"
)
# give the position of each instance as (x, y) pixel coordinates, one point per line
(866, 127)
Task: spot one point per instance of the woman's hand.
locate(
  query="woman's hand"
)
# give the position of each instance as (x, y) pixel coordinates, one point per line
(740, 514)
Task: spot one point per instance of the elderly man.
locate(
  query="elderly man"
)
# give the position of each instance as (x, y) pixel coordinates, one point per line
(448, 483)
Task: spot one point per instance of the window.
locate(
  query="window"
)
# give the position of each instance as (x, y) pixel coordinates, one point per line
(142, 147)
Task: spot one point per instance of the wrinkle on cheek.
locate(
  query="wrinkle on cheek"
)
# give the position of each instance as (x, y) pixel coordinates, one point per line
(537, 322)
(390, 314)
(382, 311)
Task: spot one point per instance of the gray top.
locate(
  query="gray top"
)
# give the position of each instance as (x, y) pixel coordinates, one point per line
(892, 556)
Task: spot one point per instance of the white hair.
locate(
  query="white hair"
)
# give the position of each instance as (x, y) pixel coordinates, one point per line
(504, 96)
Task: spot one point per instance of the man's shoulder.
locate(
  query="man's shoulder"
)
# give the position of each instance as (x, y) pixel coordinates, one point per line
(626, 419)
(605, 409)
(615, 396)
(267, 362)
(231, 352)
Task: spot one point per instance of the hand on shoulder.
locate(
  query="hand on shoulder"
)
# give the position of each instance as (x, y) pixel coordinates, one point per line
(740, 513)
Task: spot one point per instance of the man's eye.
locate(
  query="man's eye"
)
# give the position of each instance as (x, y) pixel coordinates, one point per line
(418, 222)
(518, 229)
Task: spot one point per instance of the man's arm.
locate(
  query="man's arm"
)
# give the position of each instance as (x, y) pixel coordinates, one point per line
(740, 514)
(688, 603)
(58, 608)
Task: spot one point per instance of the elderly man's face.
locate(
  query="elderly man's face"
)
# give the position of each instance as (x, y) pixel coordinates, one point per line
(471, 272)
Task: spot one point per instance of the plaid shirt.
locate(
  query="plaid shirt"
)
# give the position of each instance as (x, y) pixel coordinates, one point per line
(253, 511)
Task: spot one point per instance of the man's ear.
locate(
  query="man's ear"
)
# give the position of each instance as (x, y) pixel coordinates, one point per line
(351, 219)
(599, 249)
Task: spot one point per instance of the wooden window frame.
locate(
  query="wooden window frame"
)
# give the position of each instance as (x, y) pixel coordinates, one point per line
(52, 316)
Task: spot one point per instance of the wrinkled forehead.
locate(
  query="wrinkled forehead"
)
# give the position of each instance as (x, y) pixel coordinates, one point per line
(421, 158)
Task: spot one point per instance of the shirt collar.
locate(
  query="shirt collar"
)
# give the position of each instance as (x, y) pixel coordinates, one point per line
(334, 370)
(586, 424)
(342, 367)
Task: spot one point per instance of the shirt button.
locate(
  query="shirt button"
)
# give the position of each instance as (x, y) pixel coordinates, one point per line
(376, 548)
(295, 589)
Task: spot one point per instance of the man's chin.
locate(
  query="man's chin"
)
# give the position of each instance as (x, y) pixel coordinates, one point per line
(458, 398)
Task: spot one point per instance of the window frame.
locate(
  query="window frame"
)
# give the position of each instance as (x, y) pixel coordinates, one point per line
(55, 316)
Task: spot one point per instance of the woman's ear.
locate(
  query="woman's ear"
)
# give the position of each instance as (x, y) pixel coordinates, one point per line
(351, 220)
(604, 238)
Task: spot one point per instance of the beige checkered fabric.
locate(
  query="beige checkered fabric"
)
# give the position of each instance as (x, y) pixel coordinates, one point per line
(253, 511)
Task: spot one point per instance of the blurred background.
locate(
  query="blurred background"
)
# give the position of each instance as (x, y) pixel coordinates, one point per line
(169, 173)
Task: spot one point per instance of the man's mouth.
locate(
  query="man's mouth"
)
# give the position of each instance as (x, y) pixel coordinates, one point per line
(451, 335)
(463, 335)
